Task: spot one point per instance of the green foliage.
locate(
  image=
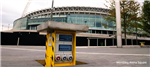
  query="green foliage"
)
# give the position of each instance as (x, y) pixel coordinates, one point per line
(146, 16)
(129, 15)
(129, 10)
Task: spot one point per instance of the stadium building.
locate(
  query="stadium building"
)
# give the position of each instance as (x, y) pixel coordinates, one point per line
(24, 28)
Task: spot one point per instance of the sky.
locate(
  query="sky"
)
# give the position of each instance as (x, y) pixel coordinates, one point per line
(10, 10)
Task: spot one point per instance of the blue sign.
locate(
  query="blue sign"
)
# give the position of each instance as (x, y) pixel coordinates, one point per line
(65, 37)
(65, 47)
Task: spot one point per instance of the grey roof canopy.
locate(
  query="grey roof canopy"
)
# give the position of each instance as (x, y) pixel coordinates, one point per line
(52, 25)
(70, 10)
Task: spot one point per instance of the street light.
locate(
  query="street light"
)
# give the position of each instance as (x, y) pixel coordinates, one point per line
(2, 27)
(52, 10)
(8, 26)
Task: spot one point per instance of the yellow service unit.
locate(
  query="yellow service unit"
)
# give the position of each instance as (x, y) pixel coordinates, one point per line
(61, 42)
(60, 48)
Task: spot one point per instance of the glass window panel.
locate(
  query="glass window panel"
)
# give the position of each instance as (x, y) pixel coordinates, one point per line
(20, 24)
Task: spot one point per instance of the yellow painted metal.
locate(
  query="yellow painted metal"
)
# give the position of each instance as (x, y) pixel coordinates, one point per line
(49, 53)
(73, 50)
(51, 49)
(142, 44)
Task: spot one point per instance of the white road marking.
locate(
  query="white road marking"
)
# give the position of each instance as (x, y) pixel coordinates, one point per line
(82, 52)
(114, 54)
(23, 49)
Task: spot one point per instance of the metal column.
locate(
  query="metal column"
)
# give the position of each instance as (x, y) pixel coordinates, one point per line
(113, 41)
(18, 41)
(88, 42)
(97, 41)
(131, 41)
(105, 42)
(126, 41)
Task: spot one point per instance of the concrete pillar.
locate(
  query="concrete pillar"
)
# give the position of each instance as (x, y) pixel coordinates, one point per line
(126, 41)
(1, 39)
(105, 42)
(97, 41)
(18, 41)
(88, 42)
(30, 27)
(118, 23)
(131, 42)
(113, 41)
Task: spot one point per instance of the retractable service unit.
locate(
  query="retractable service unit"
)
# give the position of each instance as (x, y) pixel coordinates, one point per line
(61, 42)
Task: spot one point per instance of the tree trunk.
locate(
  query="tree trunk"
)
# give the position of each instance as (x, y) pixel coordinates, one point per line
(124, 27)
(136, 33)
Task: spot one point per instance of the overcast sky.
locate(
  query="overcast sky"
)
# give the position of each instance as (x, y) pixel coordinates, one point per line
(13, 9)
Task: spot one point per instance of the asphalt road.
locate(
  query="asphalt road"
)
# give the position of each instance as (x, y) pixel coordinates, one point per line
(25, 56)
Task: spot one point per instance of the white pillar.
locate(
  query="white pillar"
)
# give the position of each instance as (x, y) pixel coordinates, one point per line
(18, 41)
(118, 23)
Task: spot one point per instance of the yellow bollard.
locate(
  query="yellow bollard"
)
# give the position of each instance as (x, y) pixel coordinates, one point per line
(142, 43)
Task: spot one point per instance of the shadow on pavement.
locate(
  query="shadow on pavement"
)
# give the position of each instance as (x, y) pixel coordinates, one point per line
(42, 62)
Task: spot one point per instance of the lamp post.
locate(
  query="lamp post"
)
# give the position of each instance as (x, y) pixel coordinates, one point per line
(52, 10)
(8, 26)
(2, 27)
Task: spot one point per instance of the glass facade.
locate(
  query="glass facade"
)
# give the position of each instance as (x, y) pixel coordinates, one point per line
(93, 21)
(20, 24)
(42, 20)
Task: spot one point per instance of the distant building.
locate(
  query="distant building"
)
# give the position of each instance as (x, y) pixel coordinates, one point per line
(98, 35)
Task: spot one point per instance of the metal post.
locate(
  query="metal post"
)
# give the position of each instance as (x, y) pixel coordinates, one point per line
(126, 41)
(2, 27)
(88, 42)
(52, 10)
(8, 26)
(118, 23)
(105, 42)
(136, 37)
(97, 41)
(113, 41)
(131, 42)
(18, 42)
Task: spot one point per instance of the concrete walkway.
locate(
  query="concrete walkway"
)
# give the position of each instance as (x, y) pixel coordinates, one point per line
(25, 56)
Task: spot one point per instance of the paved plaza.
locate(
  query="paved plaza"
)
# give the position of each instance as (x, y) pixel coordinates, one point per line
(25, 56)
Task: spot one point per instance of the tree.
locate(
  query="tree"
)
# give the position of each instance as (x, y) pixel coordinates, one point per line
(129, 12)
(146, 16)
